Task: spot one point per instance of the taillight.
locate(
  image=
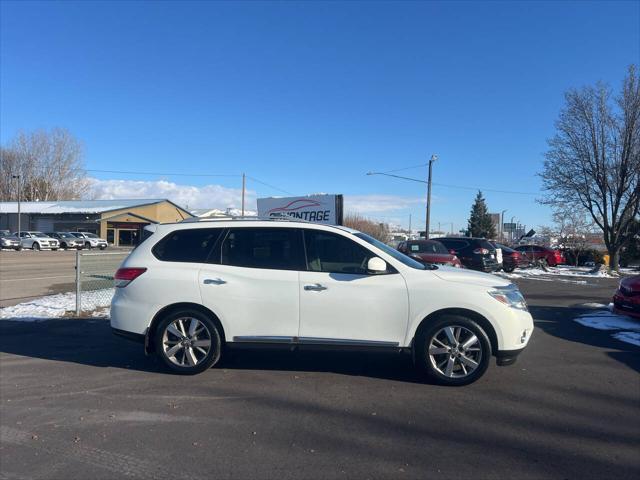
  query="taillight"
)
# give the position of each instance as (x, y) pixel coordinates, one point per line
(124, 276)
(481, 251)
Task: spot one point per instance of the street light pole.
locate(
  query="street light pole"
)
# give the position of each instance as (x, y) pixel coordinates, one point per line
(19, 195)
(502, 226)
(431, 160)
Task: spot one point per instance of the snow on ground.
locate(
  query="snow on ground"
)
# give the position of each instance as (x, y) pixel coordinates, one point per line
(626, 329)
(96, 302)
(554, 274)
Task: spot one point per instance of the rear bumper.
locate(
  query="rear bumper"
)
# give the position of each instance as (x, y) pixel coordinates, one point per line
(135, 337)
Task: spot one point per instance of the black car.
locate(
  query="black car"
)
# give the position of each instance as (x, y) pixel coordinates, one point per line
(474, 253)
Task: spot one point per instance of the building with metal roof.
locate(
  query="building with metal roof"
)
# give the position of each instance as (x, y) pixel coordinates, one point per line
(120, 221)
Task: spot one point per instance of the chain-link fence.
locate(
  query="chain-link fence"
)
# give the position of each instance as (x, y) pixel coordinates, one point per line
(94, 280)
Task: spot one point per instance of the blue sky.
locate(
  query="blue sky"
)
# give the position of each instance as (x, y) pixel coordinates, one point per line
(309, 96)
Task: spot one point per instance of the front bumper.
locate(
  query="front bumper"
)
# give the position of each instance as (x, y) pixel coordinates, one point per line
(626, 305)
(504, 358)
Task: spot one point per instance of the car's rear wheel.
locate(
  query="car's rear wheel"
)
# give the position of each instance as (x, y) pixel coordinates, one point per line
(35, 246)
(188, 342)
(508, 268)
(453, 350)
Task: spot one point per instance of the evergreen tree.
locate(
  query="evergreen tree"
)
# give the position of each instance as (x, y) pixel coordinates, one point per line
(480, 224)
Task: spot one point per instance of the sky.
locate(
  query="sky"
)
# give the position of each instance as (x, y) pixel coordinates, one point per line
(307, 97)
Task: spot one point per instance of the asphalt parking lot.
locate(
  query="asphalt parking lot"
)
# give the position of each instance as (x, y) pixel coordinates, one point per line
(26, 275)
(77, 402)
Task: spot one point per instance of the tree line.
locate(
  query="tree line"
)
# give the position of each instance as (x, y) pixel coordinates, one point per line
(43, 165)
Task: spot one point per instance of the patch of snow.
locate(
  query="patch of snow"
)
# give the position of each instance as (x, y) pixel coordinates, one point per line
(605, 320)
(626, 329)
(62, 304)
(628, 337)
(593, 305)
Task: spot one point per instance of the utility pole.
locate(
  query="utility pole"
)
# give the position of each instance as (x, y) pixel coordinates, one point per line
(409, 224)
(19, 195)
(431, 160)
(244, 183)
(502, 226)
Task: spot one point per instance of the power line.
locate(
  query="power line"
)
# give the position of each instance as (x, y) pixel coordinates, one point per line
(268, 185)
(405, 168)
(485, 189)
(165, 173)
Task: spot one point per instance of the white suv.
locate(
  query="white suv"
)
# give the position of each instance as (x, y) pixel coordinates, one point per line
(193, 289)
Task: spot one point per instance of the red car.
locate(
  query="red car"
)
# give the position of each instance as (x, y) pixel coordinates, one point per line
(626, 300)
(511, 259)
(535, 253)
(429, 251)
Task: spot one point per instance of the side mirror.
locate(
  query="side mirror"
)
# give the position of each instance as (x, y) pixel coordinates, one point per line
(376, 265)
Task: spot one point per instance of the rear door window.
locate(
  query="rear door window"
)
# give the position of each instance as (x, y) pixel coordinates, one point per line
(269, 248)
(189, 245)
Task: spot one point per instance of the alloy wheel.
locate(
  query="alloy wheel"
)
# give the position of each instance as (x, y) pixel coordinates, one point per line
(186, 342)
(455, 351)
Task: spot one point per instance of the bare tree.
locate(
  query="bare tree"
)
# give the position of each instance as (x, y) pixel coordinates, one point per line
(574, 227)
(49, 164)
(379, 231)
(593, 162)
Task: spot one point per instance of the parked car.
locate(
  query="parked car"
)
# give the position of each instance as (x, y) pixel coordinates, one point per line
(194, 289)
(626, 300)
(429, 251)
(37, 241)
(9, 241)
(474, 253)
(511, 259)
(67, 240)
(536, 253)
(91, 240)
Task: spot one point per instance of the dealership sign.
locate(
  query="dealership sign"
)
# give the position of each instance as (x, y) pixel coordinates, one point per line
(312, 208)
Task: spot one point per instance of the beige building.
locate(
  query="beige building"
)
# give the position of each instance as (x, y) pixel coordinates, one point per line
(120, 222)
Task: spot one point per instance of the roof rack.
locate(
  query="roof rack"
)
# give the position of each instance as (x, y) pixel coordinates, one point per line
(239, 218)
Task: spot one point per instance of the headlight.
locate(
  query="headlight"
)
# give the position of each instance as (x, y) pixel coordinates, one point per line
(509, 296)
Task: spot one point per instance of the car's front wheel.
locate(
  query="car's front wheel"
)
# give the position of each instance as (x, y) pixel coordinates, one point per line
(453, 350)
(188, 342)
(87, 245)
(508, 268)
(35, 246)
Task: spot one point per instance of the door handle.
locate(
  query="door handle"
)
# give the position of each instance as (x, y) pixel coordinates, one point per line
(213, 281)
(316, 287)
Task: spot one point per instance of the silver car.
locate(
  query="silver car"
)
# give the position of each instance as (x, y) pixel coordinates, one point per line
(67, 240)
(91, 240)
(9, 241)
(37, 241)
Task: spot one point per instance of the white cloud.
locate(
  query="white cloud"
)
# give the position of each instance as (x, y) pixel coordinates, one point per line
(379, 203)
(217, 196)
(187, 196)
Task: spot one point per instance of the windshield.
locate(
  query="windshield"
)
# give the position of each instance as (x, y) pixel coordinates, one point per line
(427, 247)
(39, 235)
(66, 235)
(401, 257)
(91, 235)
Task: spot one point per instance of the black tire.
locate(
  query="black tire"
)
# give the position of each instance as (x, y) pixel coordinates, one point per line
(54, 249)
(35, 246)
(429, 364)
(204, 362)
(18, 249)
(102, 247)
(508, 269)
(87, 245)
